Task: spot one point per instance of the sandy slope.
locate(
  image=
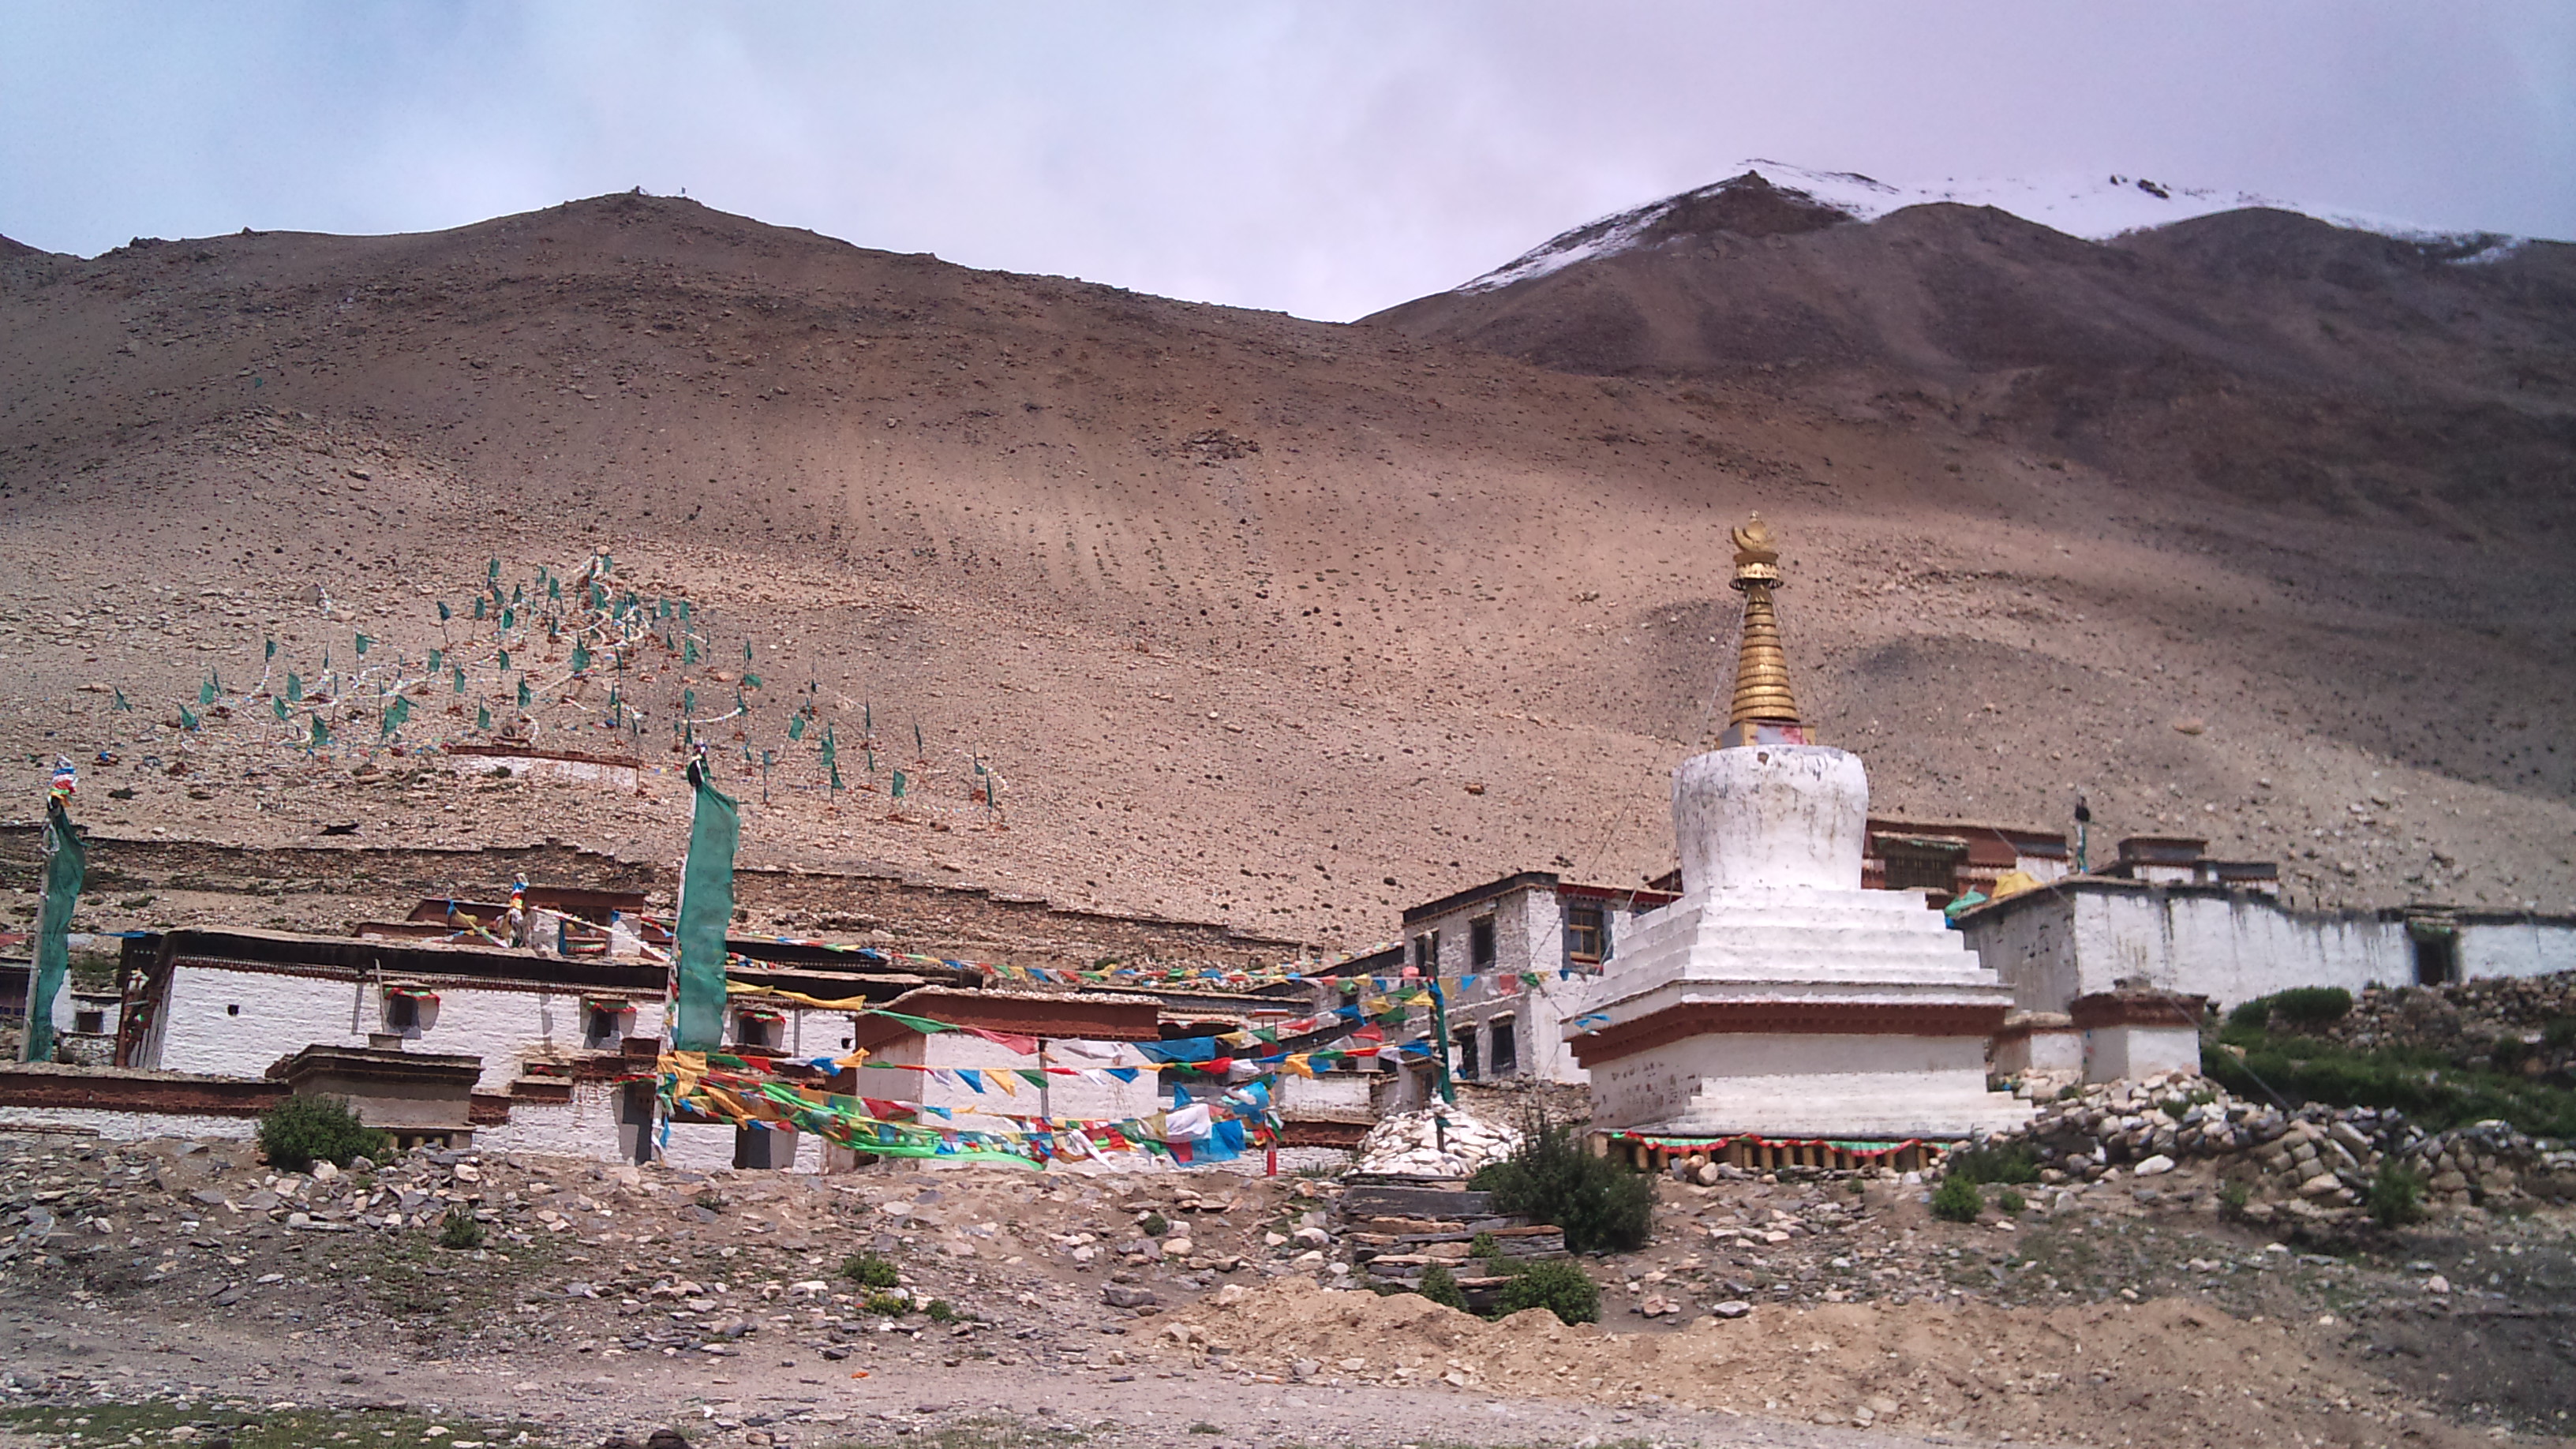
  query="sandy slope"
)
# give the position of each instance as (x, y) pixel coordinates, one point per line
(1243, 607)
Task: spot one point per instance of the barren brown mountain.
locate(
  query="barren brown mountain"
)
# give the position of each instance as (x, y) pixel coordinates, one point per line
(2247, 528)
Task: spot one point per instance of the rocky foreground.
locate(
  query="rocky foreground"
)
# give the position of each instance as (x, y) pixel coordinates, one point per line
(183, 1286)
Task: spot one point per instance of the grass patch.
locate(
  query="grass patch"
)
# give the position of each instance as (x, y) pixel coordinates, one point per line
(2432, 1089)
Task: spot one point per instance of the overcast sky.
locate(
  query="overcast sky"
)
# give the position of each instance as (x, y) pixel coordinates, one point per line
(1324, 159)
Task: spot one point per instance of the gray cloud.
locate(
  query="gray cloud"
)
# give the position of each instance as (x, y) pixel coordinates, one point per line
(1322, 159)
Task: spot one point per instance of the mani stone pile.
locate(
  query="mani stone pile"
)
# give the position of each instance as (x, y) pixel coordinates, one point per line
(1442, 1141)
(2317, 1155)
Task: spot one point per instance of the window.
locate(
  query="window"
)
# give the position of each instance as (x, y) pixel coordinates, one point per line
(402, 1013)
(1480, 944)
(92, 1022)
(604, 1025)
(1426, 953)
(1507, 1051)
(1586, 933)
(1464, 1042)
(1938, 873)
(759, 1029)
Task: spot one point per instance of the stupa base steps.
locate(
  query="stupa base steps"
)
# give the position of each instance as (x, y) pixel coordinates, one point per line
(1874, 1087)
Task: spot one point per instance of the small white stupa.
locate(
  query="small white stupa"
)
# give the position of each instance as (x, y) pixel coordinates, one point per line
(1777, 997)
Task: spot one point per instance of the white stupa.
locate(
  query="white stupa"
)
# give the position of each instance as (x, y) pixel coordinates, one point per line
(1777, 997)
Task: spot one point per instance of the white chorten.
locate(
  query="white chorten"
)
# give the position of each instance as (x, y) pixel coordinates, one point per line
(1777, 997)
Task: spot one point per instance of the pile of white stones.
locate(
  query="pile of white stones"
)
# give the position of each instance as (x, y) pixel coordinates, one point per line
(2321, 1154)
(1411, 1144)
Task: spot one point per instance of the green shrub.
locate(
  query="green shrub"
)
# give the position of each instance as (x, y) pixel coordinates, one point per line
(2298, 1006)
(2232, 1198)
(1957, 1200)
(1153, 1225)
(300, 1131)
(1484, 1245)
(869, 1271)
(1550, 1178)
(1559, 1286)
(459, 1230)
(2014, 1162)
(2011, 1201)
(2560, 1033)
(2396, 1194)
(892, 1305)
(1441, 1287)
(941, 1311)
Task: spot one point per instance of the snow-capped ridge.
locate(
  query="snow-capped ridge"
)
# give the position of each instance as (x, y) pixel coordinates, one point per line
(2094, 208)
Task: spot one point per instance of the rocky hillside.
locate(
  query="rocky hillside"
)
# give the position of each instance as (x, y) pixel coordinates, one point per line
(1285, 623)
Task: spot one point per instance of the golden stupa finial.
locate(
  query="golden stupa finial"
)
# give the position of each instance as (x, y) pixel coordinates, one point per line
(1764, 711)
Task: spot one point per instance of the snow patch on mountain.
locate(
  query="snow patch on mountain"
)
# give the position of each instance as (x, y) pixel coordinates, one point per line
(2096, 208)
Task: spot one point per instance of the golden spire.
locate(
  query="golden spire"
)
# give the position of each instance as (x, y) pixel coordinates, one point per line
(1764, 710)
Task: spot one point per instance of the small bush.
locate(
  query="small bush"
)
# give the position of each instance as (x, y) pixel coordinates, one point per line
(1441, 1287)
(1560, 1287)
(1153, 1225)
(2016, 1162)
(1484, 1245)
(2011, 1201)
(869, 1271)
(2232, 1198)
(459, 1230)
(941, 1311)
(300, 1131)
(1550, 1178)
(1957, 1200)
(892, 1305)
(2560, 1033)
(2298, 1006)
(2396, 1194)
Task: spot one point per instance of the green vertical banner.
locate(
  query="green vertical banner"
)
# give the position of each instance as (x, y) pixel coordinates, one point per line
(65, 864)
(706, 909)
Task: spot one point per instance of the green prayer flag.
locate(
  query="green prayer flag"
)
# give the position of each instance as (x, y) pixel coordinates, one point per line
(918, 748)
(482, 718)
(580, 657)
(277, 707)
(444, 614)
(706, 908)
(492, 571)
(206, 692)
(796, 728)
(321, 733)
(395, 716)
(435, 655)
(66, 862)
(554, 588)
(294, 688)
(272, 650)
(689, 703)
(121, 702)
(524, 696)
(690, 651)
(505, 659)
(751, 681)
(478, 606)
(898, 785)
(460, 679)
(509, 617)
(746, 651)
(186, 720)
(363, 642)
